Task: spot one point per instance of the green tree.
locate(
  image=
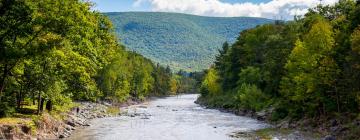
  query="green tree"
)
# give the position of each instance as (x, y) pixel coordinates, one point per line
(250, 97)
(311, 70)
(210, 86)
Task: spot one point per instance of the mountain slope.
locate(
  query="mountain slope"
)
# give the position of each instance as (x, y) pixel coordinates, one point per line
(181, 41)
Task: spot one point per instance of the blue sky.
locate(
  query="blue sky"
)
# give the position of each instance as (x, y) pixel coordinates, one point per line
(273, 9)
(127, 5)
(117, 6)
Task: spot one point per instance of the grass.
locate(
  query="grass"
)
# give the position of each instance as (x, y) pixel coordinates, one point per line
(59, 112)
(267, 133)
(264, 133)
(12, 121)
(27, 115)
(23, 115)
(113, 110)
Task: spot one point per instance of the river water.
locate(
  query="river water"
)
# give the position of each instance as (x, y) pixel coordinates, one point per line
(170, 118)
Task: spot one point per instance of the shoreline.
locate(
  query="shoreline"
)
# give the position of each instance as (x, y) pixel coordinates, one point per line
(330, 128)
(95, 111)
(47, 126)
(284, 129)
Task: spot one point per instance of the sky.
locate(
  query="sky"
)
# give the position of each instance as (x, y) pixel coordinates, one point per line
(272, 9)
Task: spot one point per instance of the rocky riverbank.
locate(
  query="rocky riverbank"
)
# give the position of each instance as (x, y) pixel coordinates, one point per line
(303, 129)
(279, 130)
(80, 116)
(47, 126)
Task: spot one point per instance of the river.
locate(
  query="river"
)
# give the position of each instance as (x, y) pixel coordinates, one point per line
(170, 118)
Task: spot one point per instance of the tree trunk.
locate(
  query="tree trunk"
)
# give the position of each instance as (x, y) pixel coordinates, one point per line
(2, 81)
(33, 97)
(18, 100)
(39, 100)
(337, 99)
(49, 105)
(42, 105)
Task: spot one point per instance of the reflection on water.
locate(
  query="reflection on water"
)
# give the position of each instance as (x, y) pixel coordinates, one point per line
(171, 118)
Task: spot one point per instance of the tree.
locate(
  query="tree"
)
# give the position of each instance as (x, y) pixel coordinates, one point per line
(249, 75)
(174, 84)
(15, 18)
(53, 57)
(355, 67)
(210, 85)
(312, 70)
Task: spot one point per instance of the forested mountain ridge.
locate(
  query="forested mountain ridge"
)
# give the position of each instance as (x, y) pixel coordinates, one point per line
(181, 41)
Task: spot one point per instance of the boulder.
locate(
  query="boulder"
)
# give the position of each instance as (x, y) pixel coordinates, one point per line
(329, 137)
(145, 117)
(62, 136)
(261, 115)
(71, 123)
(334, 122)
(283, 124)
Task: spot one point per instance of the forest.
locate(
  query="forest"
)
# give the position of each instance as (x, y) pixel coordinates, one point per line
(182, 41)
(55, 52)
(308, 68)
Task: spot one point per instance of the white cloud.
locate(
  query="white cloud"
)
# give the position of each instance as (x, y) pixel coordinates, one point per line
(275, 9)
(138, 3)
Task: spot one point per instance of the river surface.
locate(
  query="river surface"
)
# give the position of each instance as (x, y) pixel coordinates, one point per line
(170, 118)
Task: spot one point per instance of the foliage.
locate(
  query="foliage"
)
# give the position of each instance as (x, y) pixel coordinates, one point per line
(311, 69)
(308, 67)
(162, 77)
(54, 52)
(250, 97)
(209, 86)
(249, 75)
(186, 82)
(180, 41)
(113, 110)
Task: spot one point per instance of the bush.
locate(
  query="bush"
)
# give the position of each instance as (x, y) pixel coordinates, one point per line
(204, 91)
(251, 97)
(279, 113)
(7, 107)
(250, 75)
(210, 85)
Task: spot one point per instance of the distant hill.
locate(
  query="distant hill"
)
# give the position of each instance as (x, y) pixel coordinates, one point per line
(181, 41)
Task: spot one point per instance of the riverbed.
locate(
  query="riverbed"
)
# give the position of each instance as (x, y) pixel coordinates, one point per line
(168, 118)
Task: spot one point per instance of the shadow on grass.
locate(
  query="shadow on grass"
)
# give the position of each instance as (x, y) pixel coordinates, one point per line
(25, 111)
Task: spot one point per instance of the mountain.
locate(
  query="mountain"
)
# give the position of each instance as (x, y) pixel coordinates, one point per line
(181, 41)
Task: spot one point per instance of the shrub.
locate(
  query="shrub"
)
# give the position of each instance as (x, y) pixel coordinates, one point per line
(251, 97)
(7, 107)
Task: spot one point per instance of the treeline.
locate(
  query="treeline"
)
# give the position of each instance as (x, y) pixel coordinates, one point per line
(309, 67)
(53, 52)
(186, 82)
